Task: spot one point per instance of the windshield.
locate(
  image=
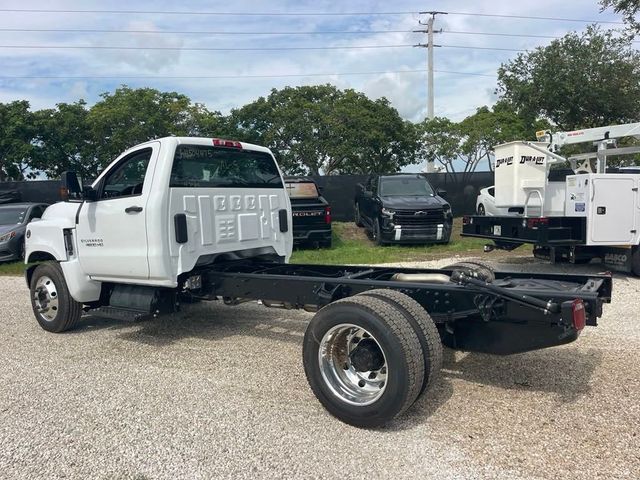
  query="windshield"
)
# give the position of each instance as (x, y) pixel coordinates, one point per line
(405, 186)
(12, 216)
(205, 166)
(302, 189)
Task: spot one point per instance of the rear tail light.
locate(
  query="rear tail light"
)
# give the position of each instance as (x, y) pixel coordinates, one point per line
(219, 142)
(537, 222)
(577, 313)
(466, 220)
(327, 215)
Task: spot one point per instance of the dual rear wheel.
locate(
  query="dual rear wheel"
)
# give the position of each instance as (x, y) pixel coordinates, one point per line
(369, 357)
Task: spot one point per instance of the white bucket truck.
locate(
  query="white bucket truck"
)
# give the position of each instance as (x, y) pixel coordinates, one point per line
(575, 214)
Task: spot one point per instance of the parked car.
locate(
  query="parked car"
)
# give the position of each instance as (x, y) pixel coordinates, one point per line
(486, 203)
(402, 208)
(311, 213)
(14, 218)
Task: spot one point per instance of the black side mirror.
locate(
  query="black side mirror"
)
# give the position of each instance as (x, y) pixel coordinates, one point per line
(71, 189)
(89, 193)
(441, 193)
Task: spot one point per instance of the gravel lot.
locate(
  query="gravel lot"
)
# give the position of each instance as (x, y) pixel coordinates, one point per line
(220, 392)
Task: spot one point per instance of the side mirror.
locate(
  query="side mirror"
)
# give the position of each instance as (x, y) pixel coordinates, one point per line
(89, 193)
(441, 193)
(71, 189)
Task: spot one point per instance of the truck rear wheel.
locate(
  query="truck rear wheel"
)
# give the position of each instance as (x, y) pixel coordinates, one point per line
(635, 261)
(422, 324)
(53, 306)
(356, 215)
(363, 360)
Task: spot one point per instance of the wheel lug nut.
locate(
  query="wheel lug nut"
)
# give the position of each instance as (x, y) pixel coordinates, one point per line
(383, 370)
(361, 383)
(372, 375)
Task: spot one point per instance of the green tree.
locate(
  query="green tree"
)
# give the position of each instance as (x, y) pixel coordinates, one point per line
(320, 129)
(16, 135)
(130, 116)
(629, 9)
(462, 147)
(64, 141)
(578, 81)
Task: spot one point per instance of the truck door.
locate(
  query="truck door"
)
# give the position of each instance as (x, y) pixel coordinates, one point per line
(611, 213)
(369, 203)
(111, 231)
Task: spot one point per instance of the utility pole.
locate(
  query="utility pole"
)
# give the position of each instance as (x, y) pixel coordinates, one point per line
(429, 46)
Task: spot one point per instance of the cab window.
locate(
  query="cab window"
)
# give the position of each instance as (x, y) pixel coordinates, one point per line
(127, 178)
(209, 166)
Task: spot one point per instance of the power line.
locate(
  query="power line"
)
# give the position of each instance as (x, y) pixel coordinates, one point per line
(257, 33)
(297, 14)
(470, 47)
(218, 14)
(243, 49)
(499, 34)
(208, 49)
(529, 17)
(200, 32)
(225, 77)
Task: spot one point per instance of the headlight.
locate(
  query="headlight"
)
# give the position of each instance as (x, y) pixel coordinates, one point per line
(388, 212)
(7, 236)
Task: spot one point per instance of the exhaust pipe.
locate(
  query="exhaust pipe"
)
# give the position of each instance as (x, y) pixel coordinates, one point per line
(421, 277)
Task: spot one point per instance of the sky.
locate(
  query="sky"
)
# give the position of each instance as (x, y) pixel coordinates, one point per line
(390, 72)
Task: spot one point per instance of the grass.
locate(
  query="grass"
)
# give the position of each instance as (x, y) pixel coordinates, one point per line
(351, 246)
(13, 268)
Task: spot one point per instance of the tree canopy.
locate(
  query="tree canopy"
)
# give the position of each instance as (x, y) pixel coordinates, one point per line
(320, 129)
(581, 80)
(16, 133)
(630, 11)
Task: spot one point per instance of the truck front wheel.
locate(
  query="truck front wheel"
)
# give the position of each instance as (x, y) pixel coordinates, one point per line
(53, 306)
(363, 360)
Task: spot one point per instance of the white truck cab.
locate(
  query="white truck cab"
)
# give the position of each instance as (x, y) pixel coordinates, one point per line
(163, 207)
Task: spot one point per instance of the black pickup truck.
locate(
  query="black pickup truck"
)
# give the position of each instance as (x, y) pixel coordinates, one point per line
(311, 213)
(402, 208)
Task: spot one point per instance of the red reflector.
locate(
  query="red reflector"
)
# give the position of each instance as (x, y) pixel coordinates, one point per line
(327, 215)
(537, 222)
(219, 142)
(465, 220)
(579, 314)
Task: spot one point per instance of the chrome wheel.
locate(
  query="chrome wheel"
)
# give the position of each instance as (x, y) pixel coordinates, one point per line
(45, 298)
(353, 364)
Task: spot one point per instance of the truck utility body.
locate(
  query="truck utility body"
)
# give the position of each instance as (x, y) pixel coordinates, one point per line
(590, 213)
(181, 220)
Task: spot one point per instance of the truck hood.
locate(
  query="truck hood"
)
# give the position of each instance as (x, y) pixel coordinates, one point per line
(412, 202)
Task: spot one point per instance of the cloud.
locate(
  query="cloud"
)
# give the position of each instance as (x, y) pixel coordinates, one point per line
(457, 94)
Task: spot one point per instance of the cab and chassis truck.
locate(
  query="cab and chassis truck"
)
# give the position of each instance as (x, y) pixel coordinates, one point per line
(179, 220)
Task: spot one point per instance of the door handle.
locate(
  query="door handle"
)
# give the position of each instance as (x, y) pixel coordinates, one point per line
(133, 209)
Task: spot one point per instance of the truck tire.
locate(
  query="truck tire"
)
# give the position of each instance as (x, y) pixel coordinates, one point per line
(356, 215)
(635, 261)
(422, 324)
(377, 235)
(363, 360)
(53, 306)
(480, 270)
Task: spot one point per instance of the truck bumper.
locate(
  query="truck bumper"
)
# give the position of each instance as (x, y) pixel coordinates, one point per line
(437, 233)
(320, 235)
